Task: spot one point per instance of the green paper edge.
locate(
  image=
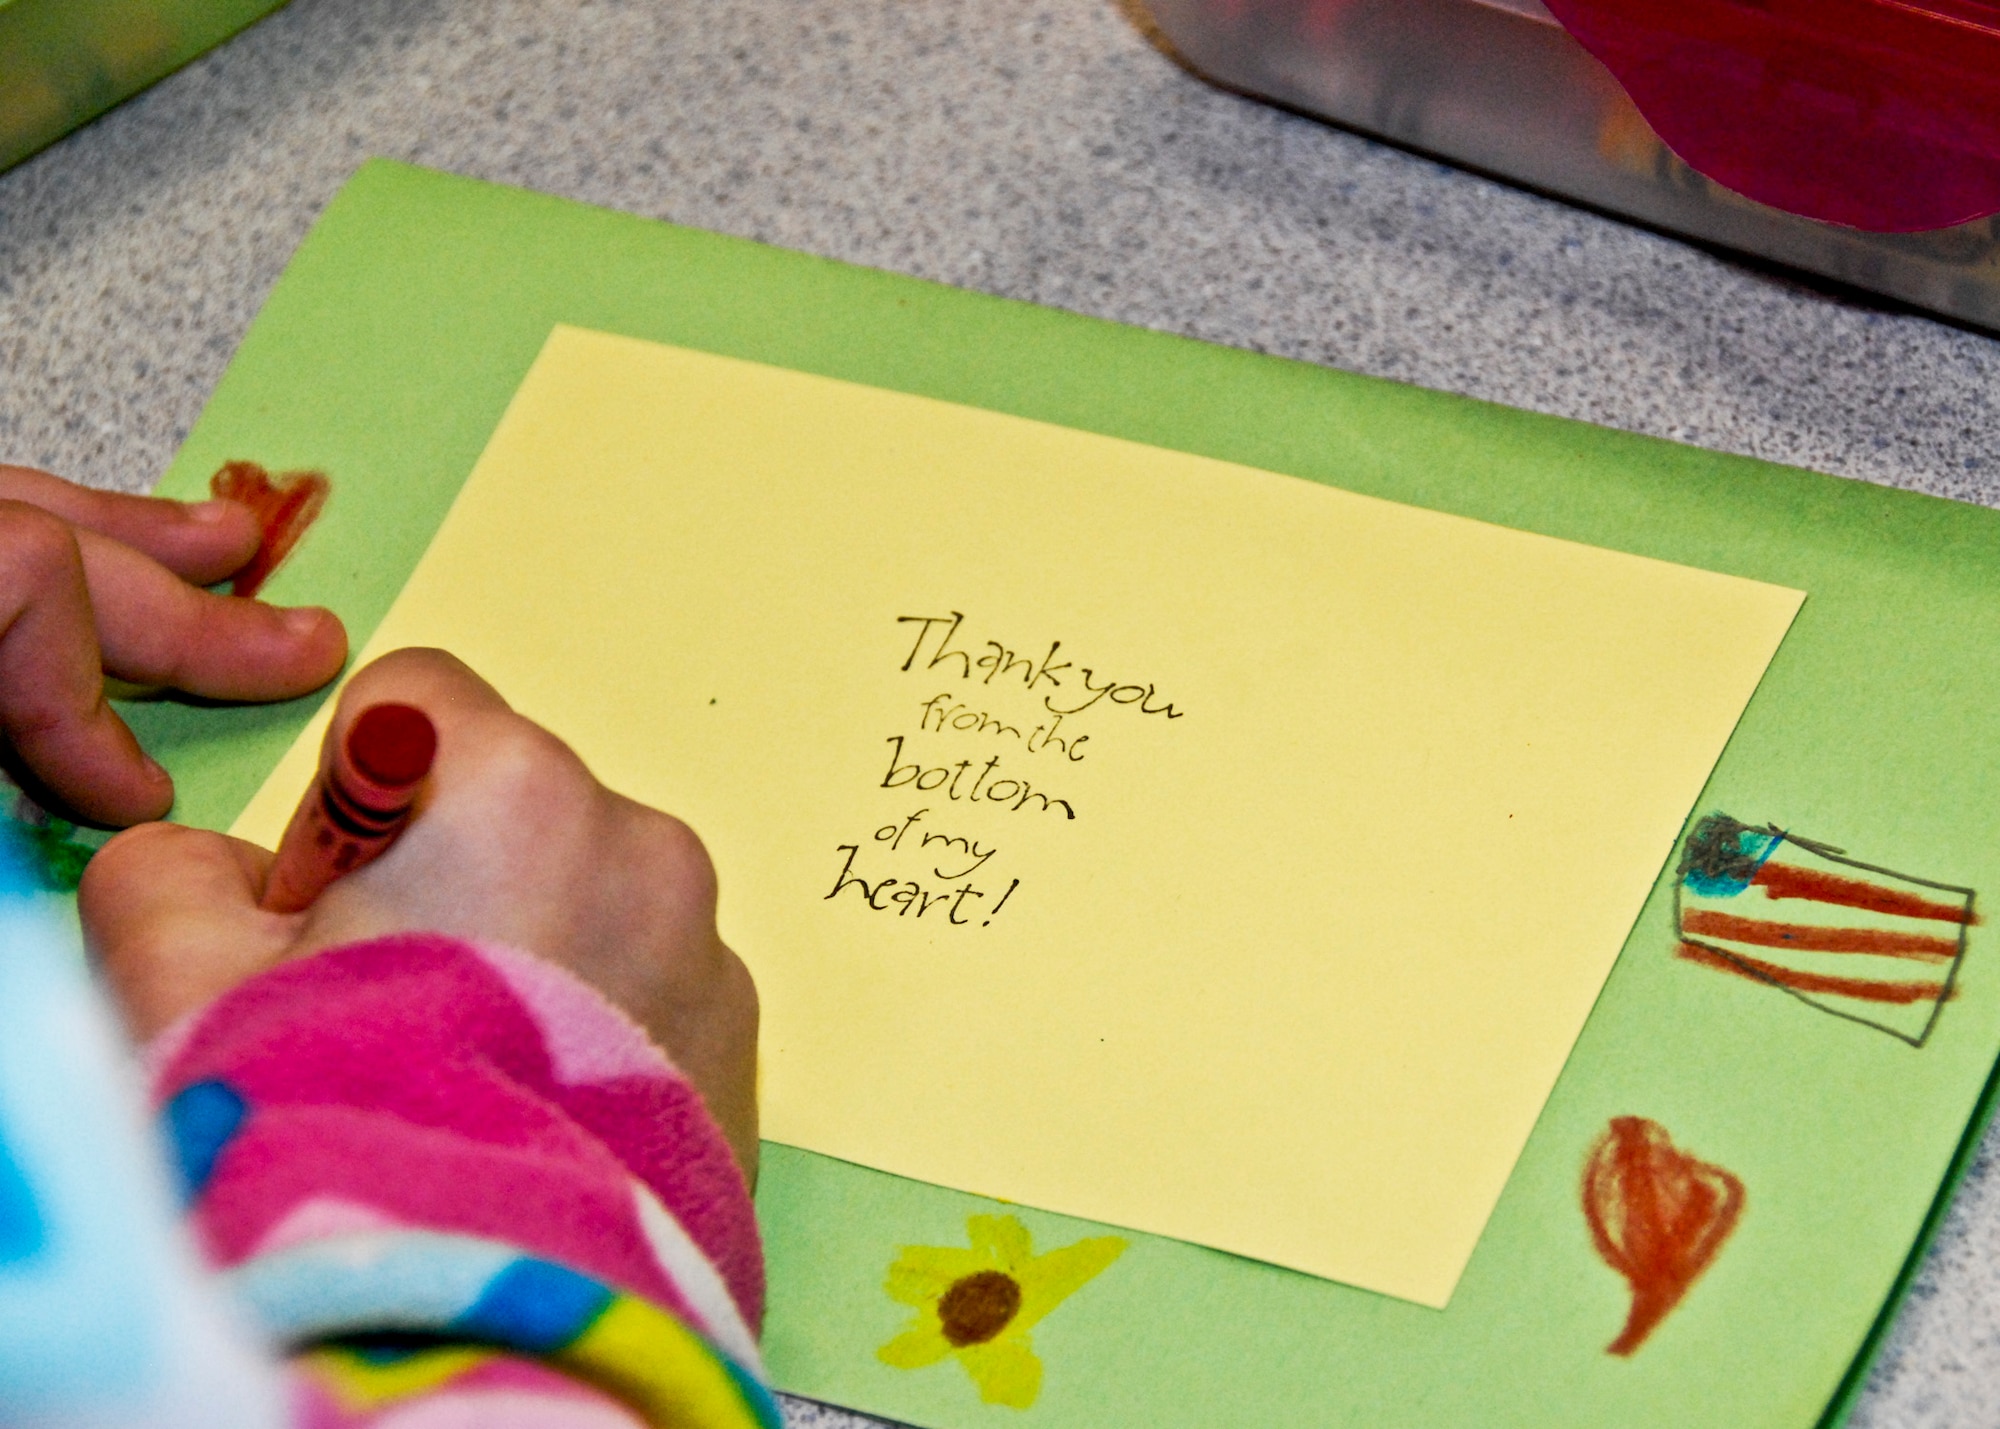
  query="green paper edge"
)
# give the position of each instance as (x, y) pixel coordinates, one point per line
(1856, 1379)
(569, 263)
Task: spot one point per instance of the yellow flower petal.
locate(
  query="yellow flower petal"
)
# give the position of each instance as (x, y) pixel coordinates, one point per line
(1005, 1370)
(1050, 1279)
(1002, 1237)
(924, 1272)
(921, 1345)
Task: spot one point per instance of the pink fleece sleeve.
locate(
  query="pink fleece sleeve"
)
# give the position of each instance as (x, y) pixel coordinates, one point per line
(455, 1173)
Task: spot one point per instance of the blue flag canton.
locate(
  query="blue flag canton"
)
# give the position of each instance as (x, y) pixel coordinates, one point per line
(1723, 855)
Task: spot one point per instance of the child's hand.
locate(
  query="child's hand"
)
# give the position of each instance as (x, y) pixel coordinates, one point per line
(512, 842)
(91, 583)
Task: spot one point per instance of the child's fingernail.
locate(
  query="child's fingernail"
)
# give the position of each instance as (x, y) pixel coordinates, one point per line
(304, 619)
(209, 512)
(158, 770)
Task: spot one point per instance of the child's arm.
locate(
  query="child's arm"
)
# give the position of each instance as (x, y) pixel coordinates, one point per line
(426, 1106)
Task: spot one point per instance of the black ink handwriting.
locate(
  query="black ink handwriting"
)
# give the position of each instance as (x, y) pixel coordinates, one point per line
(1000, 659)
(904, 896)
(940, 714)
(951, 779)
(968, 847)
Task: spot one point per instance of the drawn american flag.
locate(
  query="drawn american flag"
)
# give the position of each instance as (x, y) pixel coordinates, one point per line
(1862, 942)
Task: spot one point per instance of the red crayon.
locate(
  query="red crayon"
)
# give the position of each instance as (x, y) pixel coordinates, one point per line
(356, 807)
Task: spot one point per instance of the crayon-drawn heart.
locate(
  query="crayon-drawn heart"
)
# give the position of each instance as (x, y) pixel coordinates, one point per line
(1657, 1215)
(285, 507)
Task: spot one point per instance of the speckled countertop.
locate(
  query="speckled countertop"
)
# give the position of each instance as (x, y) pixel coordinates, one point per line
(1040, 149)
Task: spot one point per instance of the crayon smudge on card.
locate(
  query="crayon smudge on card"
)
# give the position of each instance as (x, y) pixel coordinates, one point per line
(285, 507)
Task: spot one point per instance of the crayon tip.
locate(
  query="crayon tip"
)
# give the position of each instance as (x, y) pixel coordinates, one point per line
(392, 745)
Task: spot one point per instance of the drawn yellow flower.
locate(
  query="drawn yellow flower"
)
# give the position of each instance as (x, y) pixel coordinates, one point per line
(979, 1303)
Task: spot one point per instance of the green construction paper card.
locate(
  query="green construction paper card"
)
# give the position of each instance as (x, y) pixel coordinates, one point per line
(1803, 1117)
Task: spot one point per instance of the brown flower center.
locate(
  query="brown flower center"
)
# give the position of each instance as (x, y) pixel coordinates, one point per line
(978, 1307)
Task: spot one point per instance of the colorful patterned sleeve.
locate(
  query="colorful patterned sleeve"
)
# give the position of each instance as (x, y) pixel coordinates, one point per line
(460, 1188)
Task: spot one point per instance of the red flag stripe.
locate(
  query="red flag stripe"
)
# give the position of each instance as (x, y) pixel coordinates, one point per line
(1809, 939)
(1783, 880)
(1860, 989)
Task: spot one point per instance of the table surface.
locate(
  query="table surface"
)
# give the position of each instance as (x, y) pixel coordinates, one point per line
(1043, 150)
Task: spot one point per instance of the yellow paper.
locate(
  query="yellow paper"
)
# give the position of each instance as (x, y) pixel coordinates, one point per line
(1274, 941)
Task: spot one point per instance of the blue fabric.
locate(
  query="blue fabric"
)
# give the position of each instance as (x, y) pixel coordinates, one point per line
(761, 1401)
(105, 1322)
(534, 1306)
(201, 1122)
(404, 1281)
(17, 861)
(21, 1232)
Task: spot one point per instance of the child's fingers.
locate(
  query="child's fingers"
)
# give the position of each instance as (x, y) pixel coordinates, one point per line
(156, 629)
(73, 603)
(52, 705)
(201, 542)
(171, 916)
